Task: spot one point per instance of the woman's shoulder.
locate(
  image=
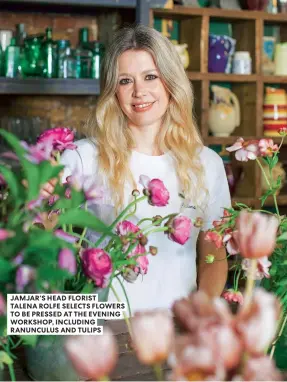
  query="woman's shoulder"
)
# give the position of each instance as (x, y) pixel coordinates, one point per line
(210, 158)
(86, 147)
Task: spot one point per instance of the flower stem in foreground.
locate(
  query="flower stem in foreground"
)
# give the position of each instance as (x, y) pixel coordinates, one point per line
(249, 284)
(279, 335)
(158, 371)
(124, 314)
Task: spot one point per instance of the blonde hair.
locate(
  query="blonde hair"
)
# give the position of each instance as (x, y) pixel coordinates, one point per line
(108, 126)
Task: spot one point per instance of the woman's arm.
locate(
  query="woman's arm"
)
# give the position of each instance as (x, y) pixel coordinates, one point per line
(211, 277)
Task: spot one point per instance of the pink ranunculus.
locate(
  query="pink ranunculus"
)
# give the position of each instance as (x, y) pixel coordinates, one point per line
(230, 240)
(24, 275)
(38, 153)
(156, 190)
(125, 227)
(153, 336)
(257, 326)
(6, 234)
(2, 305)
(180, 229)
(62, 138)
(93, 191)
(230, 295)
(256, 234)
(214, 237)
(267, 147)
(93, 357)
(263, 265)
(67, 260)
(97, 265)
(141, 259)
(2, 181)
(65, 236)
(245, 150)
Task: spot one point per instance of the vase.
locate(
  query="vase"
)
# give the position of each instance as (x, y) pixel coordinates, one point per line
(47, 361)
(274, 111)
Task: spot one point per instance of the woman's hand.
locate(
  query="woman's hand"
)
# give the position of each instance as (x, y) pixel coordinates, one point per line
(48, 188)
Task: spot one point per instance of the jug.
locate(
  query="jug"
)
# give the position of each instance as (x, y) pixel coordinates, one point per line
(220, 51)
(182, 50)
(224, 112)
(280, 59)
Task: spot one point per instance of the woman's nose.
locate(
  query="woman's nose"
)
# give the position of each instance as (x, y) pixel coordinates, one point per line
(139, 89)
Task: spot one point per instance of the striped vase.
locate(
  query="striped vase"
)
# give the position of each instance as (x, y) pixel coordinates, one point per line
(274, 111)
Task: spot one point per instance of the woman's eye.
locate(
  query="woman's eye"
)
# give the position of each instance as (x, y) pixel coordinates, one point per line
(124, 81)
(151, 77)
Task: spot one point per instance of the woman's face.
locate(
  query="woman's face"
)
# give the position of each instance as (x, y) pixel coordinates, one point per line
(141, 93)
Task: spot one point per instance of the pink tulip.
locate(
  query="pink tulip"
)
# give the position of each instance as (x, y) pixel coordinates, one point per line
(245, 150)
(180, 229)
(153, 336)
(24, 275)
(2, 305)
(156, 191)
(93, 357)
(261, 368)
(67, 261)
(257, 326)
(262, 270)
(61, 138)
(97, 265)
(267, 147)
(256, 234)
(6, 234)
(230, 295)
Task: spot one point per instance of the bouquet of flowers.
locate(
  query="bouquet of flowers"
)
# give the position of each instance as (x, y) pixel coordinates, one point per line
(43, 242)
(247, 241)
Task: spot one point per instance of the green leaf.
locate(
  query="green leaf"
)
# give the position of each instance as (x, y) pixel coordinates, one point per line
(14, 142)
(50, 273)
(81, 218)
(283, 282)
(76, 200)
(30, 340)
(3, 326)
(274, 161)
(5, 270)
(11, 180)
(88, 288)
(48, 171)
(32, 173)
(282, 237)
(265, 196)
(5, 358)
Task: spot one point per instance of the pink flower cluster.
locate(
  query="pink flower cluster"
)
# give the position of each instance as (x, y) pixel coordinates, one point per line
(214, 342)
(250, 150)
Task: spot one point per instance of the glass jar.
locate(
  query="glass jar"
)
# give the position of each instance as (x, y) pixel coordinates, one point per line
(62, 45)
(32, 65)
(49, 55)
(69, 64)
(12, 60)
(98, 50)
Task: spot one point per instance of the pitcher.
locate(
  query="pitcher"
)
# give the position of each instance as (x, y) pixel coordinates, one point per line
(224, 112)
(220, 51)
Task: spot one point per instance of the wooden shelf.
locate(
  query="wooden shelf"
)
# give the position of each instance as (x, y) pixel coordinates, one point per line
(185, 12)
(226, 140)
(222, 77)
(249, 201)
(281, 200)
(53, 86)
(275, 79)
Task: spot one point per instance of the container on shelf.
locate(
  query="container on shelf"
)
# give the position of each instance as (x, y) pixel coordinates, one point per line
(62, 45)
(12, 60)
(98, 50)
(224, 112)
(32, 64)
(268, 65)
(49, 55)
(220, 52)
(69, 64)
(84, 55)
(280, 59)
(274, 111)
(242, 63)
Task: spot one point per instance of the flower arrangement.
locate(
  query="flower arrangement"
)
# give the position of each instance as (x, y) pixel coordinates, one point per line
(248, 239)
(43, 241)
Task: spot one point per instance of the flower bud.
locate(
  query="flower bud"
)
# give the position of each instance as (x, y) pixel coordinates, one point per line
(198, 222)
(153, 250)
(156, 218)
(135, 193)
(282, 131)
(209, 259)
(143, 240)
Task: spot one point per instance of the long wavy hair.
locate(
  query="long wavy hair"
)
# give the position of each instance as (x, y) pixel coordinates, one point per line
(108, 125)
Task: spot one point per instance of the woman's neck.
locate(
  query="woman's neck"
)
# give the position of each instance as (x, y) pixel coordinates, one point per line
(145, 139)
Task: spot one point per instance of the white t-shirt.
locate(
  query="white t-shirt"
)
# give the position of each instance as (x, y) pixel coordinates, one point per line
(172, 272)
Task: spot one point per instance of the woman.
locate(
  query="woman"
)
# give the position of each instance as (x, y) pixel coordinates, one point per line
(143, 125)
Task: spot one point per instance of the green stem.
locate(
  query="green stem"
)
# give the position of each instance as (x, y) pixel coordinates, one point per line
(134, 211)
(12, 372)
(158, 371)
(279, 335)
(124, 314)
(83, 239)
(143, 220)
(159, 229)
(237, 280)
(126, 296)
(249, 284)
(71, 228)
(84, 230)
(225, 258)
(119, 218)
(263, 172)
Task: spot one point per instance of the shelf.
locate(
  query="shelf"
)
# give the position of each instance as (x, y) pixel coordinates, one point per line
(90, 3)
(281, 200)
(274, 79)
(185, 12)
(226, 140)
(222, 77)
(53, 86)
(249, 201)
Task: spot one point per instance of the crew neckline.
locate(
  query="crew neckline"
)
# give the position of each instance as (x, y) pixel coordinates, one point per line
(149, 157)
